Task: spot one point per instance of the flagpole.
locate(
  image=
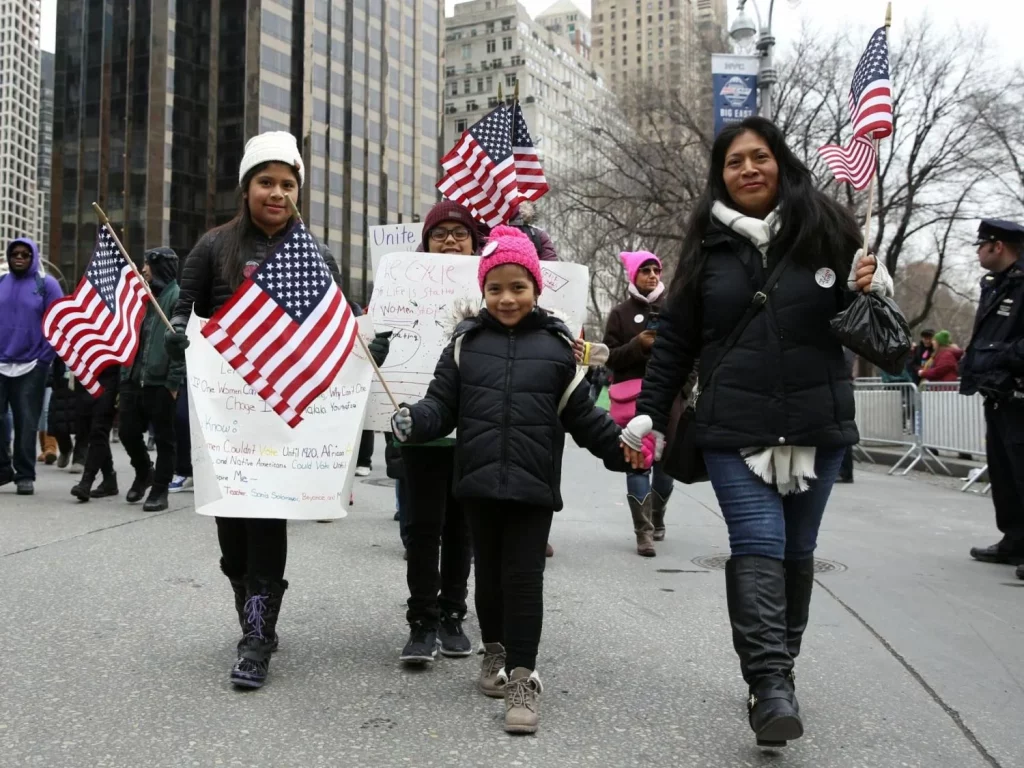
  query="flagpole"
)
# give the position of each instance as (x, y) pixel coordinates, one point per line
(145, 283)
(366, 350)
(875, 142)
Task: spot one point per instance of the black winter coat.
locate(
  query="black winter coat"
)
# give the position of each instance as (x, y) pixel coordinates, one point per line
(503, 397)
(626, 358)
(62, 418)
(203, 285)
(785, 382)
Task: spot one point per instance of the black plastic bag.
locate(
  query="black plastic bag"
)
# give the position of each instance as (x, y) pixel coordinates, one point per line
(876, 330)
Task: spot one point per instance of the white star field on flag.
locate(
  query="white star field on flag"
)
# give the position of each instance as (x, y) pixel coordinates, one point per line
(295, 276)
(104, 270)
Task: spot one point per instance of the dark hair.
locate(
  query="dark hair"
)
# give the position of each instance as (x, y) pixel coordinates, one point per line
(814, 228)
(233, 234)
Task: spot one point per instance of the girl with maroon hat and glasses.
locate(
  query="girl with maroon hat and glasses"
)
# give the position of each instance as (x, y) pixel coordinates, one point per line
(437, 579)
(509, 382)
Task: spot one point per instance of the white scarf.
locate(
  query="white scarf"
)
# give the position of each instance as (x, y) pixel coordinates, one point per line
(651, 297)
(789, 468)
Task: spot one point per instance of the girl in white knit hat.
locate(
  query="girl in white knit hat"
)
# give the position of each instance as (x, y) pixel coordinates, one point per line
(253, 551)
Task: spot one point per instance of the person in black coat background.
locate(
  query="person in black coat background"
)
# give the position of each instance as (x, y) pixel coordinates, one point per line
(510, 385)
(777, 414)
(253, 550)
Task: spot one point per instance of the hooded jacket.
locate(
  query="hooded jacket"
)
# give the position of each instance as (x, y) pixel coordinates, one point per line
(152, 366)
(503, 395)
(24, 300)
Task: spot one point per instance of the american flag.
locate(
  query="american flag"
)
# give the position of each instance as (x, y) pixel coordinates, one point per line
(871, 111)
(480, 172)
(529, 173)
(98, 325)
(288, 329)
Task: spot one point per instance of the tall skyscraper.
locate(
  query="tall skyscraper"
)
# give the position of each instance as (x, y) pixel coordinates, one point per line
(158, 97)
(19, 118)
(657, 41)
(492, 43)
(45, 151)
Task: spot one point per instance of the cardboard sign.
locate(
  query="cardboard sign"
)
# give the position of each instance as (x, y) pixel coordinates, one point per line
(414, 295)
(247, 462)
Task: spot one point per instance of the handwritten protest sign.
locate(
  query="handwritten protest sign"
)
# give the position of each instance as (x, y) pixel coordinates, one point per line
(414, 295)
(393, 238)
(247, 462)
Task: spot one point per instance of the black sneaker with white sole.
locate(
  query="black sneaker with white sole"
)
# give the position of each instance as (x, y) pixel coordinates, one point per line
(422, 646)
(451, 637)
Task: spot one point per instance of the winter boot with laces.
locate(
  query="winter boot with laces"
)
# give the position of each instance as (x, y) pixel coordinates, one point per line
(756, 596)
(157, 501)
(82, 490)
(658, 504)
(142, 481)
(259, 619)
(107, 486)
(492, 671)
(522, 701)
(642, 525)
(452, 639)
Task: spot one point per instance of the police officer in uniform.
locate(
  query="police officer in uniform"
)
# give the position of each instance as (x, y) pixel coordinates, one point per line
(994, 366)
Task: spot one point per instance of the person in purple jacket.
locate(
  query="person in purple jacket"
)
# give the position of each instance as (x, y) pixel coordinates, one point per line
(25, 357)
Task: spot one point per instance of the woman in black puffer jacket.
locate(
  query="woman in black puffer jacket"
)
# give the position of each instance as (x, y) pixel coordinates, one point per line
(253, 550)
(777, 414)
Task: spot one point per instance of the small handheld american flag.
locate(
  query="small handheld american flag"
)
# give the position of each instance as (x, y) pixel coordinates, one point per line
(98, 325)
(288, 329)
(529, 173)
(480, 171)
(872, 116)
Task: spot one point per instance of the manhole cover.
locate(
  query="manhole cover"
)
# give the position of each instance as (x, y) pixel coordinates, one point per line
(383, 482)
(717, 562)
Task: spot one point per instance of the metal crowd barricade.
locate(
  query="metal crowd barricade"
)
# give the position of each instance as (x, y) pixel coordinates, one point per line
(886, 416)
(935, 418)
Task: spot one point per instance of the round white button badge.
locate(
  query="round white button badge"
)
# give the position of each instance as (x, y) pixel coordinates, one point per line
(825, 277)
(638, 319)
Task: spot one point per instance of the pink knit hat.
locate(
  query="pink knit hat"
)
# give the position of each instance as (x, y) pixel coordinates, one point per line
(508, 245)
(633, 260)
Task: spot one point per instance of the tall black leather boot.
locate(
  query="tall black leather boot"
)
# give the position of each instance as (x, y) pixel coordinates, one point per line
(259, 618)
(756, 594)
(799, 583)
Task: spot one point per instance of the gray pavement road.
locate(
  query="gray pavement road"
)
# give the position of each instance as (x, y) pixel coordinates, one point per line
(117, 634)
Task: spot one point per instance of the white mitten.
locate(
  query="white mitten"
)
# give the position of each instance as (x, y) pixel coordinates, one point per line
(881, 281)
(634, 433)
(401, 424)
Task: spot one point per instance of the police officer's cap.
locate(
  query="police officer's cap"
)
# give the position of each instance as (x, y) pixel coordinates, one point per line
(993, 230)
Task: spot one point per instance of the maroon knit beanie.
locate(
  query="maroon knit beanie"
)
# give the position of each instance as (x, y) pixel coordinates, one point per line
(446, 210)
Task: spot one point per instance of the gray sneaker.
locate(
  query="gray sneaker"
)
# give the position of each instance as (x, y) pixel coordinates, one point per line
(492, 671)
(522, 701)
(25, 487)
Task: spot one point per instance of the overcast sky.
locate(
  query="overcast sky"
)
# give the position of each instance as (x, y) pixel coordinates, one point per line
(1004, 19)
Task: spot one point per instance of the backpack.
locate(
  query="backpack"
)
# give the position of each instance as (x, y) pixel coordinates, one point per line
(581, 374)
(531, 232)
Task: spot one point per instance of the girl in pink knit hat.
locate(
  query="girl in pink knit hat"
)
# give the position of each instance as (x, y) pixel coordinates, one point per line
(509, 384)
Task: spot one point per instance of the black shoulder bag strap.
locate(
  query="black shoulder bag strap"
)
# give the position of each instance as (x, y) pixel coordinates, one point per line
(759, 299)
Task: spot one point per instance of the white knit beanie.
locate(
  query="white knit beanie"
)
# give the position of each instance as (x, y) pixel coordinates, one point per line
(272, 146)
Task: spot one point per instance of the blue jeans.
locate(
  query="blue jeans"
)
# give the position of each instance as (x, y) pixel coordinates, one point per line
(762, 522)
(24, 395)
(639, 484)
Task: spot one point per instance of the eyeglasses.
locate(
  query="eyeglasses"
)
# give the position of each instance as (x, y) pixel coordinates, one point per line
(440, 234)
(650, 270)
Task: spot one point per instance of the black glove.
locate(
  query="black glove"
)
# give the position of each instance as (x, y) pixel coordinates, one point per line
(379, 347)
(176, 343)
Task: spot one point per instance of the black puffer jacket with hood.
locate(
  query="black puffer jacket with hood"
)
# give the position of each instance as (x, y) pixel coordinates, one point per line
(503, 395)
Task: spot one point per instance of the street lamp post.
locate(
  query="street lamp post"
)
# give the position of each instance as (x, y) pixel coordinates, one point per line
(742, 31)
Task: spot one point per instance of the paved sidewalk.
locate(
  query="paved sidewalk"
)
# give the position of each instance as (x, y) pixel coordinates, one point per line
(118, 633)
